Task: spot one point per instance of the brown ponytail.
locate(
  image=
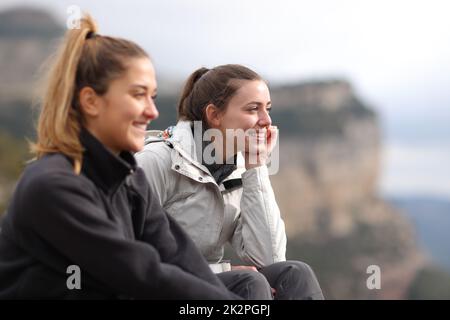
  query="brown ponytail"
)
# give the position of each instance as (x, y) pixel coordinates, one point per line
(183, 111)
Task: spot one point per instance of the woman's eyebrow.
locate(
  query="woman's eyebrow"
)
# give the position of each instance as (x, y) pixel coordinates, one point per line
(141, 86)
(269, 103)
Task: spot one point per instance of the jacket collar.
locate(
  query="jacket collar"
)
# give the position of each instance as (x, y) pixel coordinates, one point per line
(104, 168)
(183, 142)
(184, 139)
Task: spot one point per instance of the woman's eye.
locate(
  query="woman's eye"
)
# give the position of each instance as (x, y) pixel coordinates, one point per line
(139, 95)
(268, 110)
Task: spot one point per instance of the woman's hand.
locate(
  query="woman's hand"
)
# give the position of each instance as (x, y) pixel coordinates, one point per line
(252, 268)
(258, 150)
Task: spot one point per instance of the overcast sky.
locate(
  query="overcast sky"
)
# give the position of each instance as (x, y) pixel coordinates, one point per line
(386, 48)
(396, 53)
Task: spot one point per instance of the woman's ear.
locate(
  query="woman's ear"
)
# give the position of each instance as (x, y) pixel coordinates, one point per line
(89, 102)
(213, 115)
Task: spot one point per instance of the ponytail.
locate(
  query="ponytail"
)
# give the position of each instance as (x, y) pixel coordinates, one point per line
(184, 112)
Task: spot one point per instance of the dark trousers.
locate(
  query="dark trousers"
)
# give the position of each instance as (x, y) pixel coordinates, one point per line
(248, 284)
(292, 280)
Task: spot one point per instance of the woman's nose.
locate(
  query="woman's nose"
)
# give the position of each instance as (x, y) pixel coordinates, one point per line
(151, 112)
(264, 119)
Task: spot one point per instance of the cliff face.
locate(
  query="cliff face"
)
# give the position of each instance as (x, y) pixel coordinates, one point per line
(27, 38)
(327, 192)
(329, 166)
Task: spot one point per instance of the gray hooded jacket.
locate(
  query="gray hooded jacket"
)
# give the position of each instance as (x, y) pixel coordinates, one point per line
(241, 210)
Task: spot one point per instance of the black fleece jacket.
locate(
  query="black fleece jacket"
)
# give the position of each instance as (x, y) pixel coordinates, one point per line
(107, 222)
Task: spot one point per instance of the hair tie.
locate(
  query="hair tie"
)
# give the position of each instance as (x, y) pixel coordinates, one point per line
(91, 34)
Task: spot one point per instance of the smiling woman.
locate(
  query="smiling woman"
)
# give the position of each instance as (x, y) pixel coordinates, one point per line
(83, 204)
(119, 117)
(228, 202)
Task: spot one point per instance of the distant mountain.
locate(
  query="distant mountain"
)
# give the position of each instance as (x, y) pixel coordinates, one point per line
(27, 38)
(431, 219)
(318, 108)
(24, 22)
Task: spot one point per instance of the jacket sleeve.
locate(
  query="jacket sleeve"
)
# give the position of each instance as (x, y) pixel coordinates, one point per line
(152, 163)
(259, 237)
(62, 211)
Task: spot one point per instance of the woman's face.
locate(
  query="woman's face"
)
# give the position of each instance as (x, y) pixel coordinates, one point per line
(248, 109)
(126, 109)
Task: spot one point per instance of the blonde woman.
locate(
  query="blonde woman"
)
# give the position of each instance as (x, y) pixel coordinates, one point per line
(84, 204)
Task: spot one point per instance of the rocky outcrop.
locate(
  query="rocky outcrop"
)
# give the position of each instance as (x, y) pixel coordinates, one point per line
(27, 37)
(327, 191)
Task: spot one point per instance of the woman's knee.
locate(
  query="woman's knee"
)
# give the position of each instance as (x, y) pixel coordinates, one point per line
(257, 285)
(289, 266)
(300, 267)
(298, 270)
(305, 277)
(293, 280)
